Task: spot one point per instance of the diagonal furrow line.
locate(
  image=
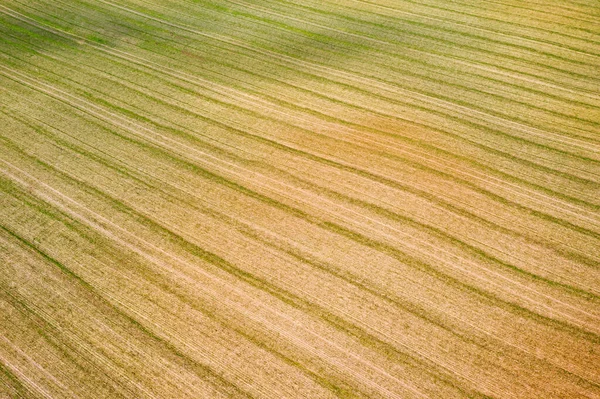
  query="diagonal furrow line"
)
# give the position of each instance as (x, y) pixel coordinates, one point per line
(99, 223)
(84, 344)
(236, 94)
(487, 30)
(38, 366)
(359, 322)
(462, 216)
(253, 99)
(203, 157)
(464, 110)
(560, 207)
(534, 42)
(23, 377)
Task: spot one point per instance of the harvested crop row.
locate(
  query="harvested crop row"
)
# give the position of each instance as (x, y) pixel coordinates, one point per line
(274, 199)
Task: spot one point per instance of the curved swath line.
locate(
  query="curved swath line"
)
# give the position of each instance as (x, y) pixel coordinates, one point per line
(48, 319)
(253, 100)
(476, 27)
(128, 56)
(217, 294)
(145, 216)
(482, 244)
(409, 121)
(38, 367)
(173, 229)
(203, 210)
(284, 194)
(349, 316)
(459, 33)
(428, 156)
(197, 309)
(354, 77)
(426, 226)
(99, 322)
(173, 336)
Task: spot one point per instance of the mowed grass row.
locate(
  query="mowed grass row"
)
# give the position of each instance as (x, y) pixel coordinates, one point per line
(548, 157)
(330, 125)
(262, 265)
(272, 199)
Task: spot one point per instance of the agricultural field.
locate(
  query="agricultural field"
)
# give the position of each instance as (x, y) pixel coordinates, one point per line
(299, 199)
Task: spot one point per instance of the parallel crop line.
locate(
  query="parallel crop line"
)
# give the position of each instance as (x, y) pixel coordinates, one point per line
(182, 190)
(145, 244)
(284, 193)
(560, 207)
(414, 220)
(352, 281)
